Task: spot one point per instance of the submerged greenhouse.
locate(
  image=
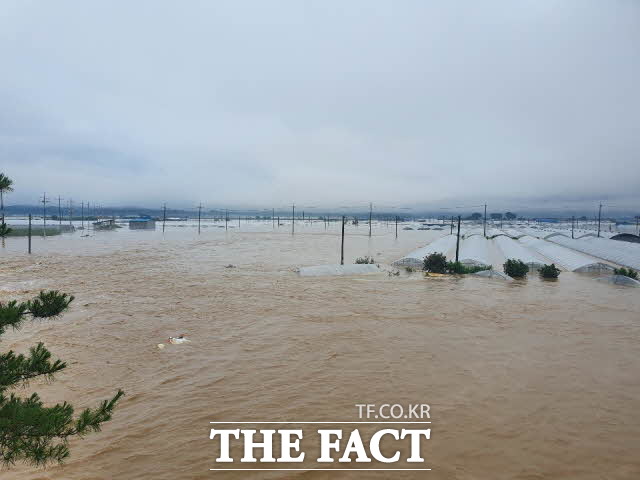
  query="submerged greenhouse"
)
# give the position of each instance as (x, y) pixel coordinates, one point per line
(564, 257)
(512, 249)
(474, 250)
(415, 259)
(621, 253)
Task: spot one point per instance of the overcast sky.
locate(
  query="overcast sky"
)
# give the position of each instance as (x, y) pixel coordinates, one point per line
(320, 102)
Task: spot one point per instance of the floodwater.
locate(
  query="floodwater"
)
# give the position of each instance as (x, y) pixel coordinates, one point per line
(525, 380)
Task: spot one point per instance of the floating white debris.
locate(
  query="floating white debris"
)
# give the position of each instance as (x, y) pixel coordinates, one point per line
(338, 270)
(178, 340)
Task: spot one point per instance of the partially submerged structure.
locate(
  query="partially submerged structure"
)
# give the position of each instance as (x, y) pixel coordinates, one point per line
(512, 249)
(564, 257)
(109, 224)
(415, 259)
(621, 253)
(142, 224)
(620, 280)
(474, 251)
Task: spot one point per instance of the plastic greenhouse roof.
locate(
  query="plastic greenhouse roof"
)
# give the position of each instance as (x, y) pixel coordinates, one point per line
(512, 249)
(565, 257)
(441, 245)
(621, 253)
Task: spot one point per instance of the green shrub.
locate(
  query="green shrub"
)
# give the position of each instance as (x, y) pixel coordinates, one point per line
(410, 269)
(435, 263)
(515, 268)
(627, 272)
(366, 259)
(549, 271)
(461, 269)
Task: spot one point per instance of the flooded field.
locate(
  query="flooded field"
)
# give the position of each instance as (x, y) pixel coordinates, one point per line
(526, 380)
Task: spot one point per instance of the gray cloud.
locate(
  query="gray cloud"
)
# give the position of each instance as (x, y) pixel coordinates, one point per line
(264, 103)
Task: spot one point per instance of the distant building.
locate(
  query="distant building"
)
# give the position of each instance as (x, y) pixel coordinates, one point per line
(142, 224)
(105, 225)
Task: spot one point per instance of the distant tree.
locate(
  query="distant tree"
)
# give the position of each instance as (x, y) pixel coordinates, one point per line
(496, 216)
(6, 186)
(510, 216)
(29, 431)
(475, 216)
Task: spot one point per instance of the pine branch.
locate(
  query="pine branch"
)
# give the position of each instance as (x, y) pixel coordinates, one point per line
(18, 368)
(12, 314)
(49, 304)
(37, 434)
(29, 431)
(46, 305)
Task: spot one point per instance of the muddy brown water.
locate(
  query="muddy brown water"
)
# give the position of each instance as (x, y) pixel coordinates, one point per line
(526, 380)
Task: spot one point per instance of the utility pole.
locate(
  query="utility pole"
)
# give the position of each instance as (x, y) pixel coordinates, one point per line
(573, 218)
(199, 215)
(451, 225)
(29, 234)
(82, 215)
(71, 213)
(342, 243)
(396, 226)
(226, 219)
(273, 217)
(293, 218)
(164, 215)
(599, 215)
(238, 221)
(458, 240)
(44, 202)
(370, 212)
(60, 212)
(484, 223)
